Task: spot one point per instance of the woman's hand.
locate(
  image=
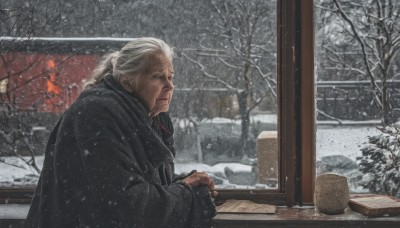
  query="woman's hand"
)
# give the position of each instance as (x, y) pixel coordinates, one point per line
(201, 178)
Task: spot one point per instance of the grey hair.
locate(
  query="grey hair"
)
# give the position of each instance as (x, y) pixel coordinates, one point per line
(128, 62)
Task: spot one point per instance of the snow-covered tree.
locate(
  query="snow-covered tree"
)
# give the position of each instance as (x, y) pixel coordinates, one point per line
(237, 52)
(380, 162)
(362, 40)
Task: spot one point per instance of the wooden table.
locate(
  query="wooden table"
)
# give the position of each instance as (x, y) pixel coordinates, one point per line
(303, 217)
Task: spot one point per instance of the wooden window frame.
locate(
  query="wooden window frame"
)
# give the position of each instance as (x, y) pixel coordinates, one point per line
(307, 104)
(295, 70)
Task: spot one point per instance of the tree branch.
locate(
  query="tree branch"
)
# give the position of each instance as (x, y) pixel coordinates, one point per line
(208, 75)
(360, 41)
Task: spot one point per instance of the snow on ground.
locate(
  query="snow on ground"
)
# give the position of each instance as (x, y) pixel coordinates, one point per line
(217, 168)
(19, 173)
(265, 118)
(341, 140)
(346, 140)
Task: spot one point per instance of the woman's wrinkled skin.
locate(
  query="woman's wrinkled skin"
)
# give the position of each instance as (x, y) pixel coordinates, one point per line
(201, 178)
(154, 85)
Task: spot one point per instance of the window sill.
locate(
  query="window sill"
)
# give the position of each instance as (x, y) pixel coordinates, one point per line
(13, 215)
(303, 217)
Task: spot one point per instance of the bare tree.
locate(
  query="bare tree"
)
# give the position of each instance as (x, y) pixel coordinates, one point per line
(239, 55)
(370, 31)
(19, 18)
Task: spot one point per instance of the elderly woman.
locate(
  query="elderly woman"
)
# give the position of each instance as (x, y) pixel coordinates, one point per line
(109, 160)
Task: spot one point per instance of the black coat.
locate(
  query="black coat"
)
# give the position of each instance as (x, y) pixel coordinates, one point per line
(107, 164)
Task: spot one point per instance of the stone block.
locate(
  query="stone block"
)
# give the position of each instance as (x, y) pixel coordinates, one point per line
(268, 156)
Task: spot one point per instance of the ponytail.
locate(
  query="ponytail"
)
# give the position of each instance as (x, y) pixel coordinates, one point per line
(105, 67)
(127, 63)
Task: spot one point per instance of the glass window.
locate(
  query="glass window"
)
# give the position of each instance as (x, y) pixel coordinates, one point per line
(225, 79)
(357, 46)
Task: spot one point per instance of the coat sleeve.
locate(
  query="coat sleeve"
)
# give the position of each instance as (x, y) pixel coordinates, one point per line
(115, 192)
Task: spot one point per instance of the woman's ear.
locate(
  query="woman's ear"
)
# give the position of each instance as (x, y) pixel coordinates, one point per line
(126, 84)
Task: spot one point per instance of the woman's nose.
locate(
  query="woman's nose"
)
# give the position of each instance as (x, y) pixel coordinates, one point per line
(169, 85)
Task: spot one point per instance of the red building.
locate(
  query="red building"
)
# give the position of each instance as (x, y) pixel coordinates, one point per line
(47, 74)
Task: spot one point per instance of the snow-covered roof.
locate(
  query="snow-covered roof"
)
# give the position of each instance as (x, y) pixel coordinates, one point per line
(62, 45)
(113, 39)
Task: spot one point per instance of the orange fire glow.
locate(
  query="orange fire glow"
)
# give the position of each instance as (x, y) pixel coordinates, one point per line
(52, 86)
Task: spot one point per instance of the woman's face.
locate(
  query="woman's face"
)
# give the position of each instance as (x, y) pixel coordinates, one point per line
(154, 84)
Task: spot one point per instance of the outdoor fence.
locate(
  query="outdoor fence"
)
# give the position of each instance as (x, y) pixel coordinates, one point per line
(352, 100)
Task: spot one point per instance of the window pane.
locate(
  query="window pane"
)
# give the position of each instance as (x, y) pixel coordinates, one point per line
(225, 80)
(357, 92)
